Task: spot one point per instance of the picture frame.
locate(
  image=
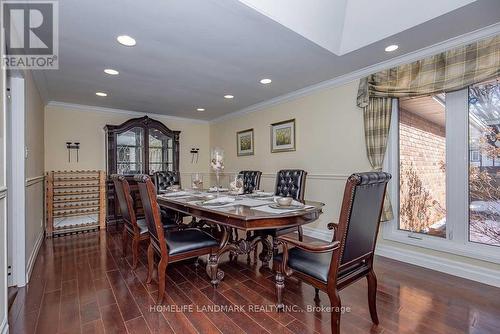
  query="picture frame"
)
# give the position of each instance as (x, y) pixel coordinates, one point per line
(283, 136)
(244, 143)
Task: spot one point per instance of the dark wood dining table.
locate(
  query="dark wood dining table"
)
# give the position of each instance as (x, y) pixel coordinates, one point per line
(244, 218)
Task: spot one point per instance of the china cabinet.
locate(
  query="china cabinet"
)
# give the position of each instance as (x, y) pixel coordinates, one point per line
(138, 146)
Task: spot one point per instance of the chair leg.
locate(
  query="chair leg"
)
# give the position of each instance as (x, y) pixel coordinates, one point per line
(162, 268)
(301, 233)
(336, 310)
(135, 252)
(316, 295)
(372, 295)
(280, 286)
(124, 241)
(151, 263)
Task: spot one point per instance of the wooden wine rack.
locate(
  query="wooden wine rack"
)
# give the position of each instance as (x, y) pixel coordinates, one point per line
(75, 194)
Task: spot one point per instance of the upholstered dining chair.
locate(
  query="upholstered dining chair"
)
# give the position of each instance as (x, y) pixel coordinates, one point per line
(291, 183)
(333, 266)
(172, 245)
(251, 180)
(133, 226)
(165, 179)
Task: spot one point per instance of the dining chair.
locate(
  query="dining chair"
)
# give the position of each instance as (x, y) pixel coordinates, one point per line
(291, 183)
(173, 245)
(132, 226)
(163, 180)
(251, 180)
(331, 267)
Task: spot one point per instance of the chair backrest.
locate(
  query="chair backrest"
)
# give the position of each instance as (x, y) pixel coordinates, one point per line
(125, 201)
(251, 180)
(359, 219)
(152, 214)
(291, 183)
(163, 180)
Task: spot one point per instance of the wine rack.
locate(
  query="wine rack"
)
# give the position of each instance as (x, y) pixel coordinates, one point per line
(75, 201)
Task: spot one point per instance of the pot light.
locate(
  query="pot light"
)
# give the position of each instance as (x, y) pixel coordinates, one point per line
(101, 94)
(200, 109)
(126, 40)
(111, 71)
(228, 96)
(391, 48)
(265, 81)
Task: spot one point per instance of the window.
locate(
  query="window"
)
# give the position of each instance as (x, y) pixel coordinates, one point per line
(484, 169)
(444, 154)
(422, 164)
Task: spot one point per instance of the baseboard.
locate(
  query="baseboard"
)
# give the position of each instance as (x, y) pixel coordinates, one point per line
(33, 256)
(441, 264)
(444, 265)
(316, 233)
(4, 327)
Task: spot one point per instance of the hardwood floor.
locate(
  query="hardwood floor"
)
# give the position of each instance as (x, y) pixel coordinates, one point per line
(81, 284)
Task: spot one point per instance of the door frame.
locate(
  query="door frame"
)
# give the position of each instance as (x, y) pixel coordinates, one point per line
(16, 189)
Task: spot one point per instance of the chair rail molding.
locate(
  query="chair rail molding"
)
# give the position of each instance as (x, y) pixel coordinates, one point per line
(34, 180)
(4, 327)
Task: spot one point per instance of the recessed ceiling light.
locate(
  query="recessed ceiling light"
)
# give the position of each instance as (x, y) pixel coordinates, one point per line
(200, 109)
(391, 48)
(228, 96)
(111, 71)
(265, 81)
(101, 94)
(126, 40)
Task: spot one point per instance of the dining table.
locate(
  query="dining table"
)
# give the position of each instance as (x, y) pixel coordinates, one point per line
(255, 213)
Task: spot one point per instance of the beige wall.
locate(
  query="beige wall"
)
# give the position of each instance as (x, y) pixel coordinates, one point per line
(85, 125)
(34, 140)
(329, 137)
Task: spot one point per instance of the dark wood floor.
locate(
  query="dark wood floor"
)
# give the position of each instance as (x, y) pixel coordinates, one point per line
(82, 284)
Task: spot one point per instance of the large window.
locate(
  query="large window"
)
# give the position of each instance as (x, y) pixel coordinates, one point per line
(444, 154)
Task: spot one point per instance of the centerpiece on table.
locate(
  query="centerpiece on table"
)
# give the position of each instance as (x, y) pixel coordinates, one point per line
(217, 164)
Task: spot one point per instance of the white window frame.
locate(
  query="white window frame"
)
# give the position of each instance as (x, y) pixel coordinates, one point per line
(457, 190)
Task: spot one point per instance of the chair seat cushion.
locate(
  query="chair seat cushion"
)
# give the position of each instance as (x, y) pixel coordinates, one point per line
(188, 240)
(312, 264)
(316, 265)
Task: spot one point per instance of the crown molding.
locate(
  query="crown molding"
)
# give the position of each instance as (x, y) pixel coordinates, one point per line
(486, 32)
(105, 110)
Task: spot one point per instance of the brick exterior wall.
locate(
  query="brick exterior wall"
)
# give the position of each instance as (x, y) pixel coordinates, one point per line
(422, 147)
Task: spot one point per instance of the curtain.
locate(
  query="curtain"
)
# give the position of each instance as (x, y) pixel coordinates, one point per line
(377, 121)
(447, 71)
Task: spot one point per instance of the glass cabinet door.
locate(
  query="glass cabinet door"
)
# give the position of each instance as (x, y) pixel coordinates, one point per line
(130, 151)
(160, 151)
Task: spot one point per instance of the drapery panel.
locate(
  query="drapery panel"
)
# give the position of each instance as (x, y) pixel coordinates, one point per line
(377, 121)
(444, 72)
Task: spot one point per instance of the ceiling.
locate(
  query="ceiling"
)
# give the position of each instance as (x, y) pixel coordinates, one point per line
(190, 53)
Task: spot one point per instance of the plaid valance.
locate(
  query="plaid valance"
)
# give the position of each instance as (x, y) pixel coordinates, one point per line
(447, 71)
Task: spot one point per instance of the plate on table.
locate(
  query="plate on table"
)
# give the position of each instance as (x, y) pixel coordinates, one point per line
(216, 203)
(286, 207)
(260, 195)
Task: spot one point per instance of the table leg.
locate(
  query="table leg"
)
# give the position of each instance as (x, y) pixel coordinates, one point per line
(267, 251)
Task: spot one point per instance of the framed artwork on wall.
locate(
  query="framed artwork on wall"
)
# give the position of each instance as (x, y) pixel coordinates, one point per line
(283, 136)
(244, 142)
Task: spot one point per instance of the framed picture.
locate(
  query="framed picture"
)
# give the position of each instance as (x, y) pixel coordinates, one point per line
(244, 142)
(283, 136)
